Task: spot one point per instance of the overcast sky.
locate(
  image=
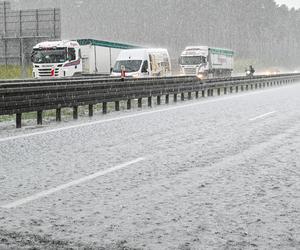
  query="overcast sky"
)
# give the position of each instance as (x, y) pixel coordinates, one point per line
(290, 3)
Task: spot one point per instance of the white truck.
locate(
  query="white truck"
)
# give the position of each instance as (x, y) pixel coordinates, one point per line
(146, 62)
(206, 62)
(69, 58)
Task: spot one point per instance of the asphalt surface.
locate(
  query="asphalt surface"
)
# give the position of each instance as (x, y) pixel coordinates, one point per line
(213, 173)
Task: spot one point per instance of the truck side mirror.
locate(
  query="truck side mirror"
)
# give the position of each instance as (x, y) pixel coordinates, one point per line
(144, 70)
(145, 67)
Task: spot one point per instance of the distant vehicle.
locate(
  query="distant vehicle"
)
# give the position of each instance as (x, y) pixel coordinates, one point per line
(69, 58)
(250, 71)
(206, 62)
(272, 71)
(146, 62)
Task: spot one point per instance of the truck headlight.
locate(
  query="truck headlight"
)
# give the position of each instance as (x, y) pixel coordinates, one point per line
(200, 76)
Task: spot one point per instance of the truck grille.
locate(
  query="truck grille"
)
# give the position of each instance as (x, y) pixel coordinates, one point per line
(190, 71)
(46, 72)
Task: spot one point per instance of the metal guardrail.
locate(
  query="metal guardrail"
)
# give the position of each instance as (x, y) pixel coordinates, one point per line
(20, 97)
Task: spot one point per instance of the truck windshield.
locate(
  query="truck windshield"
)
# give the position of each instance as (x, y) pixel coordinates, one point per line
(130, 66)
(192, 60)
(49, 55)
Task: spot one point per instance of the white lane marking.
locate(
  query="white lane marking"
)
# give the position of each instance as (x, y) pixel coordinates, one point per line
(262, 116)
(69, 184)
(224, 98)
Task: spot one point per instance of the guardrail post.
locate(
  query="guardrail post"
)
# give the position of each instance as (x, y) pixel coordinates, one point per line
(117, 105)
(158, 100)
(212, 92)
(167, 99)
(182, 96)
(255, 85)
(39, 117)
(189, 95)
(139, 102)
(104, 107)
(225, 91)
(18, 120)
(150, 101)
(91, 110)
(247, 87)
(237, 89)
(129, 104)
(58, 114)
(175, 98)
(203, 93)
(75, 112)
(208, 92)
(231, 89)
(219, 91)
(242, 88)
(197, 94)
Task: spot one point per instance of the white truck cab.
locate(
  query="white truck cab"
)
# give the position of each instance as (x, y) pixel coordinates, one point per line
(147, 62)
(206, 62)
(56, 59)
(194, 60)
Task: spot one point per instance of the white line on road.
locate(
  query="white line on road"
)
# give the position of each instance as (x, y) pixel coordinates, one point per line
(69, 184)
(262, 116)
(224, 98)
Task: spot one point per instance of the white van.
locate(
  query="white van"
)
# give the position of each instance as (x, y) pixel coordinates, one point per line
(143, 63)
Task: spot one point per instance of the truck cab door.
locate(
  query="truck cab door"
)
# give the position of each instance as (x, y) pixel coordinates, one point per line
(145, 68)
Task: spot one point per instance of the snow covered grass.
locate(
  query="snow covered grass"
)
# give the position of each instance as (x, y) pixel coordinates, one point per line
(67, 113)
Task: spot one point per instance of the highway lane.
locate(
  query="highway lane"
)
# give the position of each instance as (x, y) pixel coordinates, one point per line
(215, 173)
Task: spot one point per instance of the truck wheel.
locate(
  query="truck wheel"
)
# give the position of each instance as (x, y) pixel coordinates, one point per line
(77, 74)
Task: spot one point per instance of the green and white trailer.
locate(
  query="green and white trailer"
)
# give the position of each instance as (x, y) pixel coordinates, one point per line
(206, 62)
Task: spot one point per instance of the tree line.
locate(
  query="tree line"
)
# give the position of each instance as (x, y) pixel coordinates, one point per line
(259, 31)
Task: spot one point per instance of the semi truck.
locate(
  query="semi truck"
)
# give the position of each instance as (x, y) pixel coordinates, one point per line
(206, 62)
(68, 58)
(146, 62)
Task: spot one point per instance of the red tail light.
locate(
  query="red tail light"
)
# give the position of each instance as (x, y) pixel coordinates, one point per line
(52, 72)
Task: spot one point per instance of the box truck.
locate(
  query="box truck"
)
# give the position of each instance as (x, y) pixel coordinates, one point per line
(206, 62)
